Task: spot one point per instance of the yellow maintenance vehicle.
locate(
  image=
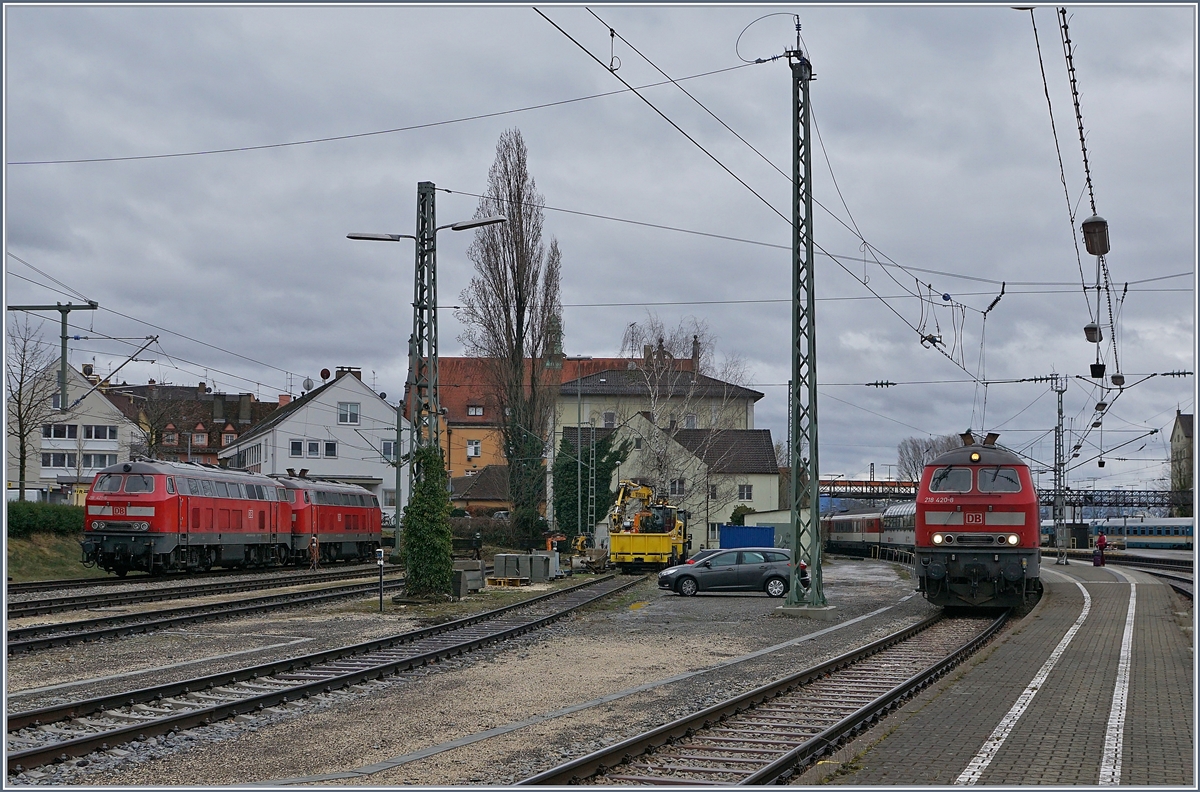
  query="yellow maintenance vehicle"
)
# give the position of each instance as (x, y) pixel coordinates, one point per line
(644, 532)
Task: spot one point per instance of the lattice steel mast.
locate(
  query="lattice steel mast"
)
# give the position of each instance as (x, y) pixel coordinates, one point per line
(806, 500)
(422, 397)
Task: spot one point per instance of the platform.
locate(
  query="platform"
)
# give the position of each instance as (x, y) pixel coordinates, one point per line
(1062, 698)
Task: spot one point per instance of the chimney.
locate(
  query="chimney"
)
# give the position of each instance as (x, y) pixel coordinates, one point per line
(344, 370)
(244, 408)
(695, 353)
(200, 391)
(218, 410)
(284, 399)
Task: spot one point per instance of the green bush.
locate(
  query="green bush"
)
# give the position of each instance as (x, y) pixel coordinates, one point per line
(26, 518)
(428, 564)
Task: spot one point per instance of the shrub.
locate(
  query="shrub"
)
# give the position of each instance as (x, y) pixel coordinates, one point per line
(428, 565)
(26, 518)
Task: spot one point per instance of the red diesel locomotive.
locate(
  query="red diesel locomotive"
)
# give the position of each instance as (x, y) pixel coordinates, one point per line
(977, 542)
(157, 516)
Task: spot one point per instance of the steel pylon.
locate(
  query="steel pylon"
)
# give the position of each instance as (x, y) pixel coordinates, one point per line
(424, 428)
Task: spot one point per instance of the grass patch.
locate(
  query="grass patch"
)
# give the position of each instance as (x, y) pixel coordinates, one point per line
(44, 556)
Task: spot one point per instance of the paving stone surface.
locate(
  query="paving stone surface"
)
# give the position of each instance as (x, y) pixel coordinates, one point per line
(1059, 739)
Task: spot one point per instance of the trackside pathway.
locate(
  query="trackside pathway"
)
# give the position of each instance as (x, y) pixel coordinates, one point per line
(1094, 687)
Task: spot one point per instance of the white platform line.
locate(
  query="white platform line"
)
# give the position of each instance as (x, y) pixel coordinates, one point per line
(1114, 735)
(992, 745)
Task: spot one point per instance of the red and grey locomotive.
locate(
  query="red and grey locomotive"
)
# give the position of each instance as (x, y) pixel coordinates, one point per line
(977, 542)
(155, 516)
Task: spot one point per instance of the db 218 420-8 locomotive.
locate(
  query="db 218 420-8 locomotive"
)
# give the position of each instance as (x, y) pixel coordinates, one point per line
(977, 528)
(154, 516)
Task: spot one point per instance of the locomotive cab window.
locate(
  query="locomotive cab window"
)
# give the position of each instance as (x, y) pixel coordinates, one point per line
(998, 479)
(108, 483)
(950, 479)
(170, 486)
(139, 484)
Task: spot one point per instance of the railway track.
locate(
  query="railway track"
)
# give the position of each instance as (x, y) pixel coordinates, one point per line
(1178, 582)
(770, 734)
(26, 639)
(41, 736)
(161, 593)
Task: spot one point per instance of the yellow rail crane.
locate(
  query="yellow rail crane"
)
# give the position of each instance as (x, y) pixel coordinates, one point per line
(644, 532)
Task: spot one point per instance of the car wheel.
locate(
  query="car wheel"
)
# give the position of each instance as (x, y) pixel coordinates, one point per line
(776, 587)
(687, 587)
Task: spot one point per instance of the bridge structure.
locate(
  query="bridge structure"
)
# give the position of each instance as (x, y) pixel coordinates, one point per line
(858, 489)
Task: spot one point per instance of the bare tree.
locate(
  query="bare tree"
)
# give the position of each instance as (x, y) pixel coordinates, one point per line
(692, 400)
(914, 453)
(31, 390)
(511, 311)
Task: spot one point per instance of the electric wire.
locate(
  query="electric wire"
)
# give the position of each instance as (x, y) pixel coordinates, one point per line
(373, 133)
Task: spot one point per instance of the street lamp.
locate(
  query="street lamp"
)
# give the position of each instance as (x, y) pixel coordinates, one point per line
(578, 443)
(429, 245)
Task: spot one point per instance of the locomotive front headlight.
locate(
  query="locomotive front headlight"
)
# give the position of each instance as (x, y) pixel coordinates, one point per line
(1013, 539)
(937, 538)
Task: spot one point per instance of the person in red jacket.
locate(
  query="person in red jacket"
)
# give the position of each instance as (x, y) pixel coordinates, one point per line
(1101, 544)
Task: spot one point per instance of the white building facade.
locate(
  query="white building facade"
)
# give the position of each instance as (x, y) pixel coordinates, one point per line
(342, 431)
(72, 446)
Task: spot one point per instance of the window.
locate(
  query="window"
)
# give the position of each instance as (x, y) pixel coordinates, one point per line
(136, 483)
(690, 422)
(714, 532)
(226, 439)
(58, 460)
(330, 448)
(99, 432)
(474, 409)
(170, 438)
(193, 486)
(199, 438)
(170, 486)
(222, 489)
(723, 559)
(950, 479)
(712, 491)
(61, 431)
(999, 479)
(745, 492)
(389, 498)
(676, 487)
(637, 444)
(474, 448)
(107, 484)
(206, 487)
(296, 448)
(54, 400)
(99, 460)
(389, 450)
(610, 420)
(753, 557)
(348, 413)
(314, 448)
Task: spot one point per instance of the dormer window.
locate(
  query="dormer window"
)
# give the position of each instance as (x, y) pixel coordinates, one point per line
(170, 438)
(474, 409)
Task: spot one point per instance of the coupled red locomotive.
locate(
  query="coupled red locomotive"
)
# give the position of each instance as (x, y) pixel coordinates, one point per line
(155, 516)
(977, 542)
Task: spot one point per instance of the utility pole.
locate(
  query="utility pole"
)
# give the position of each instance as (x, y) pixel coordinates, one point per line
(424, 415)
(91, 305)
(1060, 478)
(806, 499)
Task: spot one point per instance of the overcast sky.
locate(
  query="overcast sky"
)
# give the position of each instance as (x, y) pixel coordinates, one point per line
(933, 121)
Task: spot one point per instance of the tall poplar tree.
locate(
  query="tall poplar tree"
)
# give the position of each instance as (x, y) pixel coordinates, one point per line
(511, 311)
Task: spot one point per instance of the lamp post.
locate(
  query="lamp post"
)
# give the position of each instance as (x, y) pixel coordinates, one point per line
(423, 407)
(578, 443)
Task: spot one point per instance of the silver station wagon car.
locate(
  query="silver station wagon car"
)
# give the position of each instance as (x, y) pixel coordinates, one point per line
(766, 569)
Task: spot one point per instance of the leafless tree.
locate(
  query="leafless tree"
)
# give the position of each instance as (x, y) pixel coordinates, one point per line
(693, 398)
(511, 312)
(31, 388)
(914, 453)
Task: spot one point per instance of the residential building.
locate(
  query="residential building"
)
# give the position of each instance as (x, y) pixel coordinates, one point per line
(707, 472)
(341, 431)
(1182, 459)
(482, 493)
(73, 446)
(185, 423)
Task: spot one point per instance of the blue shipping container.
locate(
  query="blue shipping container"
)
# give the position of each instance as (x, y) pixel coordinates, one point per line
(747, 536)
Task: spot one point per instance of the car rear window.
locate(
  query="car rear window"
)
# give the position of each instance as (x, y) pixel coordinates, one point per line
(773, 557)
